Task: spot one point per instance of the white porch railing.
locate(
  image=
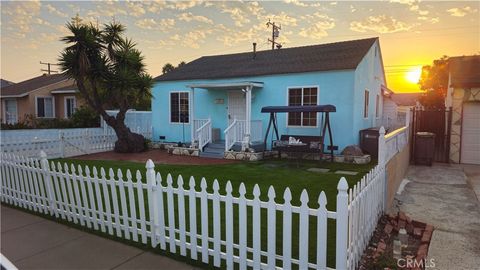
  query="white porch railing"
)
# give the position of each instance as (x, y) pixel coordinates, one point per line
(197, 123)
(237, 130)
(204, 134)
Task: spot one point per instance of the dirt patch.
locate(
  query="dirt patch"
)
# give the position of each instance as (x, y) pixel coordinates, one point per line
(380, 253)
(157, 156)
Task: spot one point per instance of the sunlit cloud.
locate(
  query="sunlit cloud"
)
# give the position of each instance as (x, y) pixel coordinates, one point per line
(380, 24)
(21, 16)
(319, 29)
(162, 24)
(188, 17)
(55, 11)
(461, 12)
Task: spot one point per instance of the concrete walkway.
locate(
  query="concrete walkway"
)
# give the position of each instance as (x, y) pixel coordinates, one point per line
(443, 196)
(31, 242)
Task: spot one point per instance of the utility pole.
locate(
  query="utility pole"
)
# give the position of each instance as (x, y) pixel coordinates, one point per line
(49, 70)
(275, 33)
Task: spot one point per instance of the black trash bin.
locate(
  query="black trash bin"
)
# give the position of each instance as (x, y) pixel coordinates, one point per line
(424, 148)
(369, 141)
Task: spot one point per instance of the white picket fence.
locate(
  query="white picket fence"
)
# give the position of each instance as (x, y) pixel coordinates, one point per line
(62, 142)
(180, 219)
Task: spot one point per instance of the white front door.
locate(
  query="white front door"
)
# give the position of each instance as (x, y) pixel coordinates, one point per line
(471, 133)
(236, 106)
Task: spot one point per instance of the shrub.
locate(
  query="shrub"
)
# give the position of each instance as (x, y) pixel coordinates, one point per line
(85, 117)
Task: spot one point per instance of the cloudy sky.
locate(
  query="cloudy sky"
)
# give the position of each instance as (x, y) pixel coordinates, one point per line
(412, 33)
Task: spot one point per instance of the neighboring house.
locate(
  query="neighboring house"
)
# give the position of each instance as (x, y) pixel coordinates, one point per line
(463, 96)
(45, 96)
(4, 83)
(222, 88)
(406, 101)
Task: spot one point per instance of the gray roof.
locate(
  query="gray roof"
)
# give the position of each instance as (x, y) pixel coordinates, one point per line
(333, 56)
(4, 83)
(465, 71)
(25, 87)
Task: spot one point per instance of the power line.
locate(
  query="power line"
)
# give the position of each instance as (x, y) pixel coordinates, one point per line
(49, 70)
(275, 33)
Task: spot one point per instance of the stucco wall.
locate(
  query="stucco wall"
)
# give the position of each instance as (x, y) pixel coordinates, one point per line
(334, 88)
(458, 98)
(396, 170)
(368, 76)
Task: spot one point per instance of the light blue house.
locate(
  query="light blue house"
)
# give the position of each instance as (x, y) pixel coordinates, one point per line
(227, 92)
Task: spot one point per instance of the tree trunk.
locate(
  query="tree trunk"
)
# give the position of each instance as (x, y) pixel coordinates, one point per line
(127, 141)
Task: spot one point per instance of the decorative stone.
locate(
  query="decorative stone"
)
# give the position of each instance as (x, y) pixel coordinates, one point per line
(352, 150)
(240, 156)
(339, 159)
(229, 155)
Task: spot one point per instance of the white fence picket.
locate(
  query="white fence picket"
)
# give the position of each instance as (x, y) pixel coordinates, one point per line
(171, 215)
(303, 233)
(133, 205)
(229, 225)
(193, 218)
(242, 226)
(216, 224)
(204, 217)
(107, 202)
(271, 225)
(181, 216)
(123, 203)
(256, 227)
(141, 207)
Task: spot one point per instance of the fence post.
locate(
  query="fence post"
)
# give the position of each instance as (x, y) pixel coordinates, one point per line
(342, 225)
(61, 137)
(382, 163)
(48, 181)
(151, 182)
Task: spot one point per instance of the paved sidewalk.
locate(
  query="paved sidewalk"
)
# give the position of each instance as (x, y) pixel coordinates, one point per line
(31, 242)
(442, 196)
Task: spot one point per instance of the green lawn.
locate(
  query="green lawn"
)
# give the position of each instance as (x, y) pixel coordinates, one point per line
(280, 174)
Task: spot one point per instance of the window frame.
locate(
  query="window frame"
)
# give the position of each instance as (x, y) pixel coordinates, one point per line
(65, 105)
(170, 107)
(377, 106)
(366, 104)
(301, 119)
(53, 107)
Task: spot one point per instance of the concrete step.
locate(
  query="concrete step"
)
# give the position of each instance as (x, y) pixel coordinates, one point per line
(215, 146)
(212, 154)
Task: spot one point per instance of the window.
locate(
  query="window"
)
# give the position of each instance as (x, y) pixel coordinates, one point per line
(377, 106)
(70, 106)
(11, 111)
(302, 97)
(366, 103)
(179, 107)
(45, 107)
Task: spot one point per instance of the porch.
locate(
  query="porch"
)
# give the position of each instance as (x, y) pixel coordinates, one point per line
(233, 123)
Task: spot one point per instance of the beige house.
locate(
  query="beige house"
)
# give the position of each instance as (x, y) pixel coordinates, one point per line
(45, 96)
(463, 96)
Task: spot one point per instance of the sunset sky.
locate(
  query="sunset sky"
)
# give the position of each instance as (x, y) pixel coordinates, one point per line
(412, 33)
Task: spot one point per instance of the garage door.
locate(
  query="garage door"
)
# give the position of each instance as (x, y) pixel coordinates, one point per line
(471, 133)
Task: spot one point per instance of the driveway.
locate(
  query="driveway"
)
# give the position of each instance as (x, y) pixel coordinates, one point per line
(443, 196)
(31, 242)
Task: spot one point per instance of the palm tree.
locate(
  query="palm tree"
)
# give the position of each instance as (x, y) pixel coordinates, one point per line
(109, 72)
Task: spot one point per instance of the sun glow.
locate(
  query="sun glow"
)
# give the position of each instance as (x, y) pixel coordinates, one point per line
(413, 75)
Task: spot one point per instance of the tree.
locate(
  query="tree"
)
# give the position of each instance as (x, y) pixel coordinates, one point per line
(109, 72)
(434, 80)
(167, 68)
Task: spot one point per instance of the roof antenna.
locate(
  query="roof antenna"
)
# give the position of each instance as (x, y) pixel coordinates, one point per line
(254, 50)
